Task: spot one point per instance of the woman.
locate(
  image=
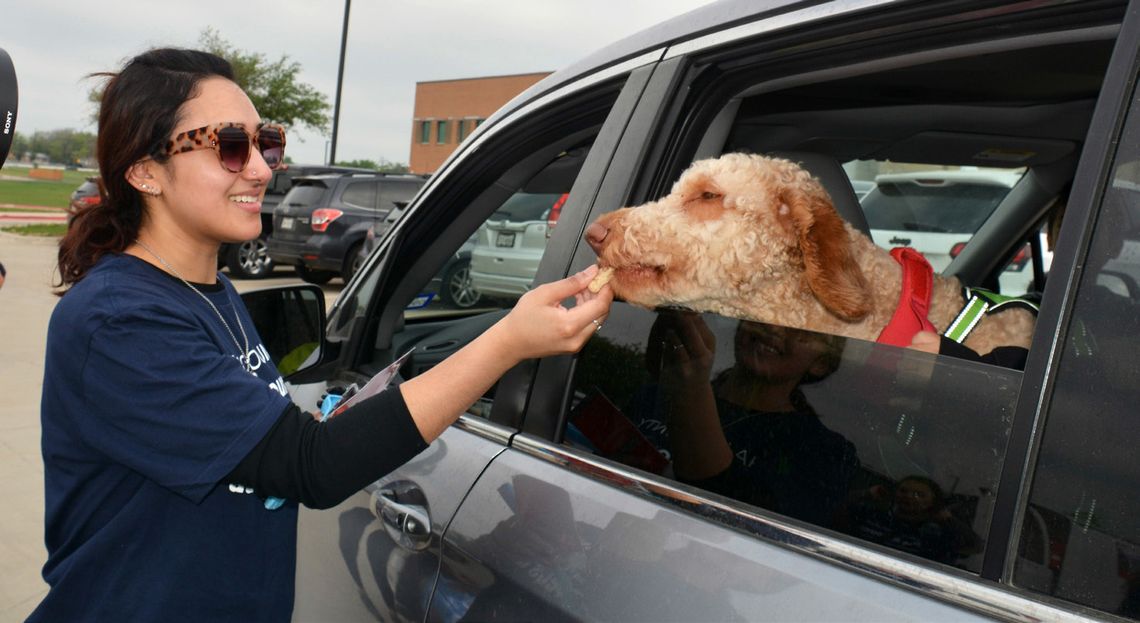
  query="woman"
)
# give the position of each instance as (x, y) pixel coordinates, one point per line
(162, 436)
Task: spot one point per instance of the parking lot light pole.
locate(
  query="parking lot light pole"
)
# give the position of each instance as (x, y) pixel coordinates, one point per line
(339, 81)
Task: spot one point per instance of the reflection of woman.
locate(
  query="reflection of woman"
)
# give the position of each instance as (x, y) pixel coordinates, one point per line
(749, 433)
(912, 518)
(165, 425)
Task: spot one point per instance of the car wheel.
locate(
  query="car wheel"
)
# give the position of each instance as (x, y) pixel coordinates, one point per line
(318, 277)
(352, 262)
(456, 289)
(249, 259)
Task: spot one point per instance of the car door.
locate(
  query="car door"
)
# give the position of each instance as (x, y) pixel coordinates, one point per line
(584, 515)
(376, 555)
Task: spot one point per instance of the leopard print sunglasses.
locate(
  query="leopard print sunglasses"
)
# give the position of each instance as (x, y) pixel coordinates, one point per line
(232, 143)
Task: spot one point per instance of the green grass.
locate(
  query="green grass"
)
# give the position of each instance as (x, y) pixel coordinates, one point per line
(40, 229)
(39, 192)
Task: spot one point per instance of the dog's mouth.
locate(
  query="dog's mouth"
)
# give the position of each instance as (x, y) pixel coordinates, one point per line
(637, 273)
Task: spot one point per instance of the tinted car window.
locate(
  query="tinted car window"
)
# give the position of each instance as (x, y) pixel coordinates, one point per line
(871, 440)
(937, 207)
(1083, 509)
(305, 194)
(360, 194)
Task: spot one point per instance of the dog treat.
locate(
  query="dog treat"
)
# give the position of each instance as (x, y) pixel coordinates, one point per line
(601, 279)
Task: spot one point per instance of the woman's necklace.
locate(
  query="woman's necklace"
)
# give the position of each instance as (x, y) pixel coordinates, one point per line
(244, 356)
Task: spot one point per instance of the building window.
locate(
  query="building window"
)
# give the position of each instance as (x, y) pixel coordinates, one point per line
(425, 131)
(441, 131)
(479, 122)
(460, 128)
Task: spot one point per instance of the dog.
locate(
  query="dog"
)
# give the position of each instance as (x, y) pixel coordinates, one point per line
(758, 238)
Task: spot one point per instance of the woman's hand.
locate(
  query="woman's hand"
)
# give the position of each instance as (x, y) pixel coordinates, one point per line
(686, 348)
(539, 325)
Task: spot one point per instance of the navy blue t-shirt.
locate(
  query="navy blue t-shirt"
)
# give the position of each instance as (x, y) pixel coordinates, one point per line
(146, 408)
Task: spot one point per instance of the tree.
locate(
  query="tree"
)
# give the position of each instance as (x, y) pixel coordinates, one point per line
(384, 166)
(272, 86)
(65, 146)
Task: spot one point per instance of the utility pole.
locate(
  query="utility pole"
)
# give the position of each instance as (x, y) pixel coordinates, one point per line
(339, 81)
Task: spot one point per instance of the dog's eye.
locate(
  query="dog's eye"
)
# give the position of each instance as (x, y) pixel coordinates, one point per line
(709, 195)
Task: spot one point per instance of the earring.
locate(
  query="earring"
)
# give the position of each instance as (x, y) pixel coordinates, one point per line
(150, 191)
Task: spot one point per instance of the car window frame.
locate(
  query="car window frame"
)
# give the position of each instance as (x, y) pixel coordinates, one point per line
(653, 156)
(1093, 174)
(383, 314)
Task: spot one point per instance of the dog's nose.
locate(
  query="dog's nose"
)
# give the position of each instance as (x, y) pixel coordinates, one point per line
(596, 235)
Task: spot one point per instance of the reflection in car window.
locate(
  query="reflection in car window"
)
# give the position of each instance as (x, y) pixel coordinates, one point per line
(1081, 540)
(895, 447)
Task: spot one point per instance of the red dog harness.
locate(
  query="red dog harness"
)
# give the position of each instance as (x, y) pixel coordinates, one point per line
(910, 316)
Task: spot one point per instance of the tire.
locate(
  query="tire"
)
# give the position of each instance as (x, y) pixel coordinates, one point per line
(249, 259)
(352, 262)
(317, 277)
(455, 287)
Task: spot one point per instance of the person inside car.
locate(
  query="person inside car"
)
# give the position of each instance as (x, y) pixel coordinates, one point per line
(169, 438)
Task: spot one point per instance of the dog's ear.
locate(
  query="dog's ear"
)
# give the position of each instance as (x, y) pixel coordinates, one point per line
(829, 264)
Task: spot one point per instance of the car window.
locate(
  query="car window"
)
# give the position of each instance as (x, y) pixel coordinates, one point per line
(931, 203)
(936, 211)
(361, 194)
(305, 194)
(392, 192)
(438, 238)
(1083, 511)
(896, 449)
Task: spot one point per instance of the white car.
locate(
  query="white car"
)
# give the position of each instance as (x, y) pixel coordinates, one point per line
(936, 212)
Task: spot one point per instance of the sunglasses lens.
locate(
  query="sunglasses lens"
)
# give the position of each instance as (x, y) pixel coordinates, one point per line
(233, 148)
(271, 144)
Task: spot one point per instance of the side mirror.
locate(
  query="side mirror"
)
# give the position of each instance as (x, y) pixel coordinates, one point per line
(291, 323)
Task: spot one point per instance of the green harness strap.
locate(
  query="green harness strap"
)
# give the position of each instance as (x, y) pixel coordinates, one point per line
(980, 302)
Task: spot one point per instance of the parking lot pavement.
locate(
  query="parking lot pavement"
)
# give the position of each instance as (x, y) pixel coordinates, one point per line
(26, 303)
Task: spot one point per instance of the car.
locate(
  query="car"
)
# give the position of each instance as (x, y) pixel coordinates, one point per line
(87, 195)
(509, 246)
(250, 259)
(936, 212)
(937, 488)
(320, 225)
(861, 188)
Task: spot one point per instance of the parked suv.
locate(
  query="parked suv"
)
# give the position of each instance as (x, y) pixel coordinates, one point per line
(864, 482)
(320, 224)
(249, 259)
(936, 212)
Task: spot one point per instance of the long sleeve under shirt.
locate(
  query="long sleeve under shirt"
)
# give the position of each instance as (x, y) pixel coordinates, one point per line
(147, 415)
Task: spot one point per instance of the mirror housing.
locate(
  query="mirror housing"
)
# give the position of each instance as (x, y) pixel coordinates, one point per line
(291, 322)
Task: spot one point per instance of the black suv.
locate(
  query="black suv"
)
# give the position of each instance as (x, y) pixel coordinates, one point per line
(248, 260)
(320, 224)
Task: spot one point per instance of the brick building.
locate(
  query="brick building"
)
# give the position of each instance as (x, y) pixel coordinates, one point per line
(448, 111)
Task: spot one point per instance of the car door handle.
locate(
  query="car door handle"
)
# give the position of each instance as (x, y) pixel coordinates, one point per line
(407, 524)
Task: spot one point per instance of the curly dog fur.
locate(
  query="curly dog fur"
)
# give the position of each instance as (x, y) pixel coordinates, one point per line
(754, 237)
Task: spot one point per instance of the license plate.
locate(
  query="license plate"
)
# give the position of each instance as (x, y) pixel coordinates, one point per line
(505, 240)
(287, 223)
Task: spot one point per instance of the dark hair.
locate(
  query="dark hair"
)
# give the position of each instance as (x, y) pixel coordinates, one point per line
(137, 115)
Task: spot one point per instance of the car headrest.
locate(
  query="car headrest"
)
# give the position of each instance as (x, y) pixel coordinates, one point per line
(834, 180)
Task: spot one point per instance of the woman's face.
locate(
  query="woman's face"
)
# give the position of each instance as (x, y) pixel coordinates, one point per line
(778, 354)
(207, 203)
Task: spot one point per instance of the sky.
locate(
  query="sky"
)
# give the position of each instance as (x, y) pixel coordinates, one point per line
(55, 44)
